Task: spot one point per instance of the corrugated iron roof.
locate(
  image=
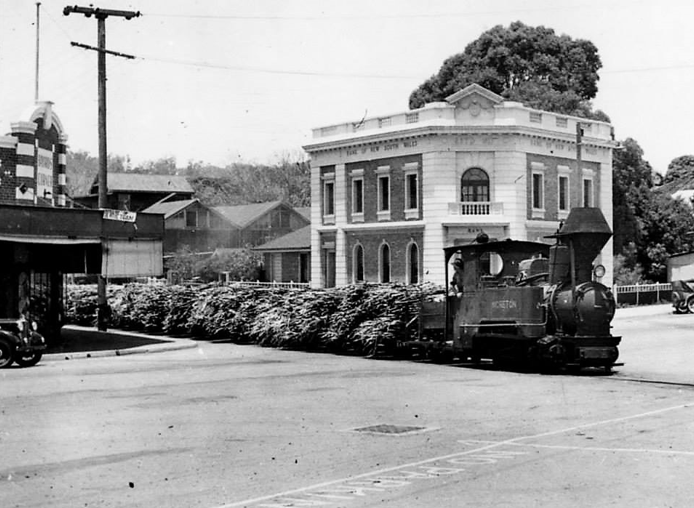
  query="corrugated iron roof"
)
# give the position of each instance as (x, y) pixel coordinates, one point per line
(169, 208)
(133, 182)
(243, 215)
(296, 240)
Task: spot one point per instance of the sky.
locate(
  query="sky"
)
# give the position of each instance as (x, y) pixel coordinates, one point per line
(223, 81)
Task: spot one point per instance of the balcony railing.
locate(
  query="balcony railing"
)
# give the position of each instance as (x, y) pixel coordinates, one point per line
(475, 208)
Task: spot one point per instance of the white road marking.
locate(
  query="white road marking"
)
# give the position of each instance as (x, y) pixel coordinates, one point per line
(515, 441)
(601, 449)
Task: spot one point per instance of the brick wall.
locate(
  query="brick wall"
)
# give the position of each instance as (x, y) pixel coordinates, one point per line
(370, 189)
(35, 142)
(372, 242)
(551, 184)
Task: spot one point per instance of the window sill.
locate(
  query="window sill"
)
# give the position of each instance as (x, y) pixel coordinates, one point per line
(538, 213)
(357, 217)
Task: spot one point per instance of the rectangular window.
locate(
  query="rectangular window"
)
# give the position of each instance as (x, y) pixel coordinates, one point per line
(383, 193)
(357, 196)
(563, 193)
(329, 198)
(191, 218)
(587, 192)
(535, 117)
(538, 191)
(411, 191)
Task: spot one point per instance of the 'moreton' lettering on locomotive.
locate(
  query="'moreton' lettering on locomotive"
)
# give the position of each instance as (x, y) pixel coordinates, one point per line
(504, 304)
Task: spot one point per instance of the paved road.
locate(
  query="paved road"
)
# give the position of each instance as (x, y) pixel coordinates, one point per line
(656, 344)
(230, 426)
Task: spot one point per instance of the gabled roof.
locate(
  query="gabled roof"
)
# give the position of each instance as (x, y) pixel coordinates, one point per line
(243, 215)
(304, 211)
(474, 89)
(169, 208)
(133, 182)
(294, 241)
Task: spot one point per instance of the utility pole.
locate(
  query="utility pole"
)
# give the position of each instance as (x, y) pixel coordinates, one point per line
(101, 15)
(579, 145)
(38, 32)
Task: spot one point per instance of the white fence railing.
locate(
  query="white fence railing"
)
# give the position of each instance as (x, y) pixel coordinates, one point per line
(642, 293)
(270, 285)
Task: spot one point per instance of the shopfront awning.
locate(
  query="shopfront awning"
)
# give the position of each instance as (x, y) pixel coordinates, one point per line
(48, 240)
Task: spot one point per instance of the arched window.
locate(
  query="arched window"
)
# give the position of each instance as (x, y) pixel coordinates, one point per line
(474, 186)
(384, 262)
(412, 263)
(358, 263)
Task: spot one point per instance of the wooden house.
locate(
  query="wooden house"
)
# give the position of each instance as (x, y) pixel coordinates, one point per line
(135, 192)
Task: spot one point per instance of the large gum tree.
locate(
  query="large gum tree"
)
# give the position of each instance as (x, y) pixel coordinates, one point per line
(532, 65)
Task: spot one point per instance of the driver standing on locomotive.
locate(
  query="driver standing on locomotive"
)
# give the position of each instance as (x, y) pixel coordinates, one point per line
(457, 282)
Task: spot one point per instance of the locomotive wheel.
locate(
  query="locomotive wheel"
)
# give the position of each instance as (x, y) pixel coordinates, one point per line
(6, 357)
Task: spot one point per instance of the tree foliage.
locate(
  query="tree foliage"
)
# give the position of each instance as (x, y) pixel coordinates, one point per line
(288, 179)
(241, 264)
(665, 227)
(240, 183)
(632, 181)
(680, 171)
(82, 169)
(532, 65)
(649, 226)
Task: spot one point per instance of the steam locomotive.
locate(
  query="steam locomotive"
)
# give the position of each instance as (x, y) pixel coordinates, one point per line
(527, 302)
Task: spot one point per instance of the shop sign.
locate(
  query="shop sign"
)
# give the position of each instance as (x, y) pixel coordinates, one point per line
(120, 215)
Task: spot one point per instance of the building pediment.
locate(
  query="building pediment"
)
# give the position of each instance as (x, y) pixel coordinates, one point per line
(475, 98)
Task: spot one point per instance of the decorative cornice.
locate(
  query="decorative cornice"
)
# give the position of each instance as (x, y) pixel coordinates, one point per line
(8, 142)
(431, 130)
(23, 127)
(380, 227)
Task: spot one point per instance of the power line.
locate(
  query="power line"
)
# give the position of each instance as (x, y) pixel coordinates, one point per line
(370, 16)
(269, 70)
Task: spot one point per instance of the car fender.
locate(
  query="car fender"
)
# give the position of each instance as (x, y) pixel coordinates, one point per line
(10, 338)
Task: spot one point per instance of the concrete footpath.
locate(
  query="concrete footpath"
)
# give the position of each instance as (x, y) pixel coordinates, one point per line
(78, 342)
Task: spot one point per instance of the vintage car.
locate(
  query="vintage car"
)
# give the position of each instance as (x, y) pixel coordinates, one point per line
(20, 343)
(683, 296)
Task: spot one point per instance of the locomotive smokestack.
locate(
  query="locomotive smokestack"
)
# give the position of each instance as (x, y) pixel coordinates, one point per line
(585, 231)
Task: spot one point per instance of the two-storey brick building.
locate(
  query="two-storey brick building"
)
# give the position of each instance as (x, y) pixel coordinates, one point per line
(42, 239)
(389, 193)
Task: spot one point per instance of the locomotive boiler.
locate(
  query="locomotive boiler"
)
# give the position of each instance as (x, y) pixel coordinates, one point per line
(527, 302)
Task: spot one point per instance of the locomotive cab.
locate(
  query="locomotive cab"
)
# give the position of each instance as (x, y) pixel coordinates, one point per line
(499, 307)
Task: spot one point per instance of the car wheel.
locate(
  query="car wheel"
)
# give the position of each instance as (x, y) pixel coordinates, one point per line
(681, 307)
(28, 359)
(690, 305)
(6, 356)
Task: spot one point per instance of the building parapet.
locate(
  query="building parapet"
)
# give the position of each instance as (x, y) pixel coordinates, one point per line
(444, 114)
